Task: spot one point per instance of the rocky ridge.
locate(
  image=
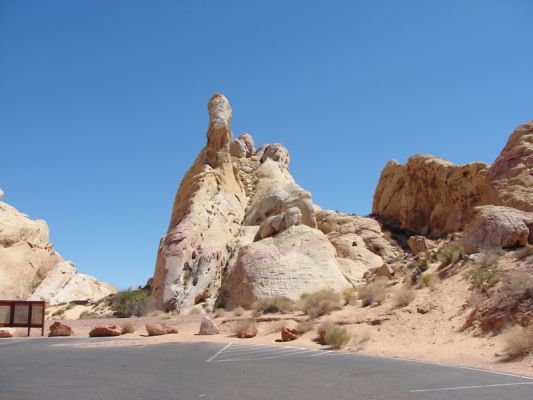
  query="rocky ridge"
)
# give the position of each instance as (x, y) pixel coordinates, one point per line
(30, 268)
(243, 230)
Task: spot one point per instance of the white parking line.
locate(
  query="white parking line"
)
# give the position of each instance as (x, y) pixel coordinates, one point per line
(295, 354)
(470, 387)
(218, 352)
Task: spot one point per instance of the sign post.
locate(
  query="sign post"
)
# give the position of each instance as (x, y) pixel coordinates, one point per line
(22, 314)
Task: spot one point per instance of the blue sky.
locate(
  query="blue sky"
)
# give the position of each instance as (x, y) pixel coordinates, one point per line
(103, 103)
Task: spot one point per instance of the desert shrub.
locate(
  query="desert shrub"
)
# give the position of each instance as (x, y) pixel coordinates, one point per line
(127, 327)
(519, 342)
(59, 313)
(483, 278)
(373, 293)
(349, 296)
(450, 253)
(490, 258)
(272, 327)
(219, 313)
(195, 310)
(305, 326)
(238, 311)
(429, 279)
(524, 252)
(88, 315)
(242, 325)
(274, 305)
(403, 296)
(319, 303)
(335, 336)
(421, 264)
(130, 302)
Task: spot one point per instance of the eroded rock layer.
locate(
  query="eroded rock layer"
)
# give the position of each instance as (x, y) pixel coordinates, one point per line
(31, 269)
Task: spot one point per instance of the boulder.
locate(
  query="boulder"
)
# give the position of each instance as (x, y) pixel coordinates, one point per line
(297, 260)
(59, 329)
(511, 171)
(289, 334)
(248, 333)
(418, 244)
(208, 327)
(432, 196)
(160, 329)
(497, 227)
(7, 333)
(105, 331)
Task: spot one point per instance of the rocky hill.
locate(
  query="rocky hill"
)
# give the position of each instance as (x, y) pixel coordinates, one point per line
(30, 268)
(243, 230)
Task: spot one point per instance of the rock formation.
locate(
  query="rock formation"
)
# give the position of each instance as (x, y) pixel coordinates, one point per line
(243, 230)
(31, 269)
(512, 172)
(432, 197)
(498, 227)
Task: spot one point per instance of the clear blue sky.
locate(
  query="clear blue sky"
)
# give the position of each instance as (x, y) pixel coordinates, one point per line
(103, 103)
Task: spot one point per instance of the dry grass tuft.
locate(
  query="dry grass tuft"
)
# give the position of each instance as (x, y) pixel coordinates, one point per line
(429, 280)
(305, 326)
(219, 313)
(127, 327)
(335, 336)
(238, 311)
(350, 297)
(319, 303)
(519, 342)
(403, 296)
(373, 293)
(274, 305)
(242, 325)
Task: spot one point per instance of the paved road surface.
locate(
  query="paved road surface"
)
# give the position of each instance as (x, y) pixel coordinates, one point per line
(53, 369)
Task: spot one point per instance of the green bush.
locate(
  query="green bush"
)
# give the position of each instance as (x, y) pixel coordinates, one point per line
(451, 253)
(429, 279)
(483, 278)
(130, 302)
(319, 303)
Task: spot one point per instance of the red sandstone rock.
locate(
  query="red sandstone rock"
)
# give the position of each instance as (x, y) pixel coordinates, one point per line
(59, 329)
(288, 334)
(160, 329)
(247, 333)
(104, 331)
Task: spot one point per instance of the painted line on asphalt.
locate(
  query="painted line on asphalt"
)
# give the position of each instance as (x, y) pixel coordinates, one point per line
(297, 354)
(259, 351)
(470, 387)
(273, 353)
(218, 352)
(402, 359)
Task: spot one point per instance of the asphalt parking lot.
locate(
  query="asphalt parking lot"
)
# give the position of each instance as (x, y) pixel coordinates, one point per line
(67, 369)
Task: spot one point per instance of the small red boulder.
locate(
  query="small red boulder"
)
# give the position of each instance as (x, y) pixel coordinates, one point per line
(248, 333)
(59, 329)
(104, 331)
(289, 334)
(160, 329)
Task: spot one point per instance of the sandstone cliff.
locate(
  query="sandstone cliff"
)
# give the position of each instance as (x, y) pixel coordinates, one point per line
(31, 269)
(242, 229)
(432, 196)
